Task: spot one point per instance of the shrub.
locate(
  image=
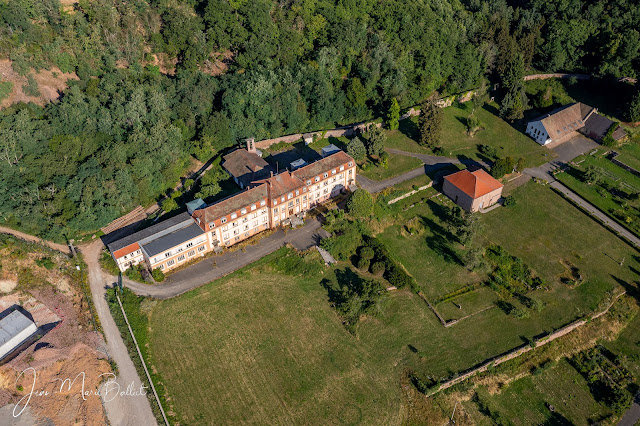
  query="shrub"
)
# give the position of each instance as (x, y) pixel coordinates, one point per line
(502, 166)
(5, 89)
(367, 253)
(134, 273)
(377, 268)
(31, 88)
(176, 194)
(363, 264)
(157, 275)
(45, 262)
(488, 151)
(360, 204)
(188, 183)
(169, 204)
(509, 201)
(520, 313)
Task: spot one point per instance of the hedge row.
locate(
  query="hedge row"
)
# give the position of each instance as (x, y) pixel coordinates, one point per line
(394, 272)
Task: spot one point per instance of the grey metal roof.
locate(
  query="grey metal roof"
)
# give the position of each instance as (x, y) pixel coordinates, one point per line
(12, 325)
(175, 238)
(151, 231)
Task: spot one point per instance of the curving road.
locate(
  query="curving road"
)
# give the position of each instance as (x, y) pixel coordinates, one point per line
(432, 163)
(215, 267)
(126, 410)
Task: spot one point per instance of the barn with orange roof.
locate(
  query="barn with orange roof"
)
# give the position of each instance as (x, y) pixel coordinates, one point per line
(472, 190)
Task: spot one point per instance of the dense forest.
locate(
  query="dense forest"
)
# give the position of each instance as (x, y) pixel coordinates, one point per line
(123, 133)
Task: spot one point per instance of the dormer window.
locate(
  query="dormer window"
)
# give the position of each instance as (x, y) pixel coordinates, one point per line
(275, 201)
(333, 172)
(234, 215)
(350, 163)
(243, 211)
(290, 196)
(297, 192)
(282, 198)
(223, 220)
(326, 175)
(253, 207)
(263, 202)
(212, 225)
(317, 178)
(342, 168)
(309, 182)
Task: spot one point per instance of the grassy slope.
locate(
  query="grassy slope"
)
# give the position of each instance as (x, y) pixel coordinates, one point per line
(509, 141)
(398, 164)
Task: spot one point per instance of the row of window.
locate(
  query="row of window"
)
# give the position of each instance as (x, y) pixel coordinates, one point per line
(181, 258)
(131, 255)
(243, 211)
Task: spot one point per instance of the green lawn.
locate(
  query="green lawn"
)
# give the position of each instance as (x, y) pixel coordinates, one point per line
(398, 164)
(526, 401)
(630, 153)
(509, 141)
(602, 196)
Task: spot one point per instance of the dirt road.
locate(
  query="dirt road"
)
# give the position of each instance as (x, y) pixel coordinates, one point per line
(127, 409)
(60, 247)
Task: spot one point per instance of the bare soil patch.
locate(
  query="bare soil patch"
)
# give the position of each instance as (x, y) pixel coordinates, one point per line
(51, 83)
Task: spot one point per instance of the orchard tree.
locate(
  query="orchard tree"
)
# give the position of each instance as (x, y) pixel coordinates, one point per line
(393, 115)
(633, 109)
(430, 122)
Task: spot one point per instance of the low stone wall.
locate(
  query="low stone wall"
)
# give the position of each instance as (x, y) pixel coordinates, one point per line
(556, 75)
(619, 163)
(410, 193)
(360, 127)
(522, 349)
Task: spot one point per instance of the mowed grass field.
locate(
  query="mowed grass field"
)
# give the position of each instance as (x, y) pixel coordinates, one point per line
(263, 346)
(508, 140)
(266, 348)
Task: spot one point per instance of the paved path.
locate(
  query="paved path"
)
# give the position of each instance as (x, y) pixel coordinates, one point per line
(218, 266)
(567, 151)
(60, 247)
(122, 410)
(632, 416)
(432, 163)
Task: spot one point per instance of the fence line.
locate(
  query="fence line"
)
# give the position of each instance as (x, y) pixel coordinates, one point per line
(144, 365)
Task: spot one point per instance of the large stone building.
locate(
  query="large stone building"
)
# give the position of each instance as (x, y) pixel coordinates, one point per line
(472, 190)
(267, 201)
(564, 123)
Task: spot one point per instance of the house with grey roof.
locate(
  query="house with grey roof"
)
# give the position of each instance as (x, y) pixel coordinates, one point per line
(566, 122)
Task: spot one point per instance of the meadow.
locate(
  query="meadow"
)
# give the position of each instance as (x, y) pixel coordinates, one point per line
(265, 345)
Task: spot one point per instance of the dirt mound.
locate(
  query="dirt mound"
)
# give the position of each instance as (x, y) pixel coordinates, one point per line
(7, 286)
(63, 403)
(50, 84)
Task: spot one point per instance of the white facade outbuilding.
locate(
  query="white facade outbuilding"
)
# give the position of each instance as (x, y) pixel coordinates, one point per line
(15, 329)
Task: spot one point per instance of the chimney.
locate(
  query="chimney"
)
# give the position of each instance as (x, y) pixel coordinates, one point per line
(251, 145)
(271, 173)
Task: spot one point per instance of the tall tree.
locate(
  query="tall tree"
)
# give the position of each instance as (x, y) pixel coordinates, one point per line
(393, 115)
(430, 122)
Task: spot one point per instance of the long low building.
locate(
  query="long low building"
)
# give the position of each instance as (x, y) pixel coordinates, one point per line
(265, 203)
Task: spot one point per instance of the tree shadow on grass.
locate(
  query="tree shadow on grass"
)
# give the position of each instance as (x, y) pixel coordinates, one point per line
(632, 289)
(409, 128)
(441, 240)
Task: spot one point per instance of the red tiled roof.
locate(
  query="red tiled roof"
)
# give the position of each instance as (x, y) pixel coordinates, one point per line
(126, 250)
(282, 184)
(475, 184)
(318, 167)
(230, 205)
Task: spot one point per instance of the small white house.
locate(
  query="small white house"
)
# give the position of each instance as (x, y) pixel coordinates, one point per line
(15, 329)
